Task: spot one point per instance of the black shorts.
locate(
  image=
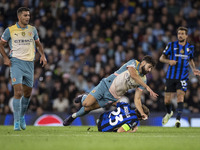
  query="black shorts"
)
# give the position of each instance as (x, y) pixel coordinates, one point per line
(172, 85)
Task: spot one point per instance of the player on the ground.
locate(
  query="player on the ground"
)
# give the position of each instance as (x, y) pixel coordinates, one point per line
(122, 119)
(132, 75)
(22, 40)
(179, 55)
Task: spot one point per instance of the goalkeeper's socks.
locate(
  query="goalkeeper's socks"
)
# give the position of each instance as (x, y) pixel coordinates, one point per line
(179, 110)
(169, 108)
(16, 110)
(24, 105)
(80, 113)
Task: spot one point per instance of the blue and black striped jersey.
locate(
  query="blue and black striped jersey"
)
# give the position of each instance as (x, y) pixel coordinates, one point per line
(112, 120)
(182, 54)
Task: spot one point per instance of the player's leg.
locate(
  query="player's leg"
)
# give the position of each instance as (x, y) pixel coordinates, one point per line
(181, 89)
(180, 100)
(88, 103)
(18, 92)
(16, 78)
(169, 90)
(167, 101)
(24, 104)
(27, 83)
(168, 105)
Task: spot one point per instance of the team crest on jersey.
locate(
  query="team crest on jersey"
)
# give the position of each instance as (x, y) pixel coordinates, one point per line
(182, 51)
(30, 33)
(93, 91)
(23, 33)
(14, 79)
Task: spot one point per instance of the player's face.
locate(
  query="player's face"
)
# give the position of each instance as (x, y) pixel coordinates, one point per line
(146, 68)
(182, 36)
(24, 17)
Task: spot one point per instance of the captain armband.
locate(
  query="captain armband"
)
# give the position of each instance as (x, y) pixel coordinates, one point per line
(126, 127)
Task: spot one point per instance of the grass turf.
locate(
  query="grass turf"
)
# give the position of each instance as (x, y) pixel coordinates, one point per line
(88, 138)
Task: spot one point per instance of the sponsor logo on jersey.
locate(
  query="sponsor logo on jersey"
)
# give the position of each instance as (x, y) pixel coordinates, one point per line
(182, 56)
(188, 49)
(23, 33)
(182, 51)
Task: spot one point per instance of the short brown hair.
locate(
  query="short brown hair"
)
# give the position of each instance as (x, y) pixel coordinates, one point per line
(21, 9)
(149, 60)
(145, 109)
(183, 28)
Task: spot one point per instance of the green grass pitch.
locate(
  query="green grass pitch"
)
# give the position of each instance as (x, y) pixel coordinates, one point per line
(88, 138)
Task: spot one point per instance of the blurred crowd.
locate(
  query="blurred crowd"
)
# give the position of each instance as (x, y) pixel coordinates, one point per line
(87, 40)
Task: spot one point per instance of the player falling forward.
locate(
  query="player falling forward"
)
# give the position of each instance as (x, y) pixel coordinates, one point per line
(122, 119)
(132, 75)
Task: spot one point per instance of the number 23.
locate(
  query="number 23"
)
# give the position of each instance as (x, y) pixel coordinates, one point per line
(117, 118)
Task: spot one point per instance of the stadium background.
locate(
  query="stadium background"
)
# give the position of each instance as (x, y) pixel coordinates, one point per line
(87, 40)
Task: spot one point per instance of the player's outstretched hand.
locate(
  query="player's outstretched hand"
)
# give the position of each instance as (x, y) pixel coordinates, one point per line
(152, 93)
(7, 62)
(196, 72)
(43, 60)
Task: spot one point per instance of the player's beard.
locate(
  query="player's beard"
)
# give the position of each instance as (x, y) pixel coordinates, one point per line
(144, 72)
(181, 41)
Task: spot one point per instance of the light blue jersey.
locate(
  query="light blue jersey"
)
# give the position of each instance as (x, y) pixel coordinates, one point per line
(111, 89)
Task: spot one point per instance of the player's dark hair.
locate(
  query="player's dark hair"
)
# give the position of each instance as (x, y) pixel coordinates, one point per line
(183, 28)
(21, 9)
(145, 109)
(149, 60)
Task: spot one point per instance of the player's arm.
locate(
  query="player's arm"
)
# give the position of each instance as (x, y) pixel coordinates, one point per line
(164, 59)
(3, 53)
(138, 103)
(192, 65)
(41, 51)
(137, 78)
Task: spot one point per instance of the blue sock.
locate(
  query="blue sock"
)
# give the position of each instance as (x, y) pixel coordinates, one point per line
(80, 113)
(16, 109)
(169, 108)
(24, 105)
(179, 110)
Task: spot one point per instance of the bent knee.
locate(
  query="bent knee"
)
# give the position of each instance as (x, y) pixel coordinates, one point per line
(18, 93)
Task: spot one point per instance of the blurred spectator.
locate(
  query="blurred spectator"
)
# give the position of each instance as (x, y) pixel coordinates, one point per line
(60, 104)
(86, 41)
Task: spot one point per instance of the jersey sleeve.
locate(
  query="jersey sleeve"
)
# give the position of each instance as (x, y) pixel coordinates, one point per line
(132, 63)
(167, 50)
(36, 37)
(6, 35)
